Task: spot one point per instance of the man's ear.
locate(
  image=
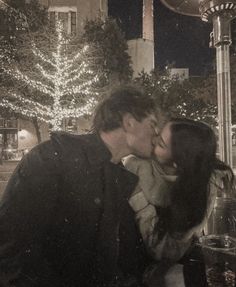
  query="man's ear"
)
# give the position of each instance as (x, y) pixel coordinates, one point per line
(128, 122)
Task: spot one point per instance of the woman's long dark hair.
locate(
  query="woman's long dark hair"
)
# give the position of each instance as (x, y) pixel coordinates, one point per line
(193, 146)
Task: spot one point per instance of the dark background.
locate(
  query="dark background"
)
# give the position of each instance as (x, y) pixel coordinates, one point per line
(179, 40)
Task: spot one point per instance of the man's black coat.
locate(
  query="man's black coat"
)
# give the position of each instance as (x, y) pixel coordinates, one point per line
(62, 214)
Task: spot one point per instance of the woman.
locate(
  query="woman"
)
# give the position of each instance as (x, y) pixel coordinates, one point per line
(177, 190)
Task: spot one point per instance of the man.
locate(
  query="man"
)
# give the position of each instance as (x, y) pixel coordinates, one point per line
(62, 208)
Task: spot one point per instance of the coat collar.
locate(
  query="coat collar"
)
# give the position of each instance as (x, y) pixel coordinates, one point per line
(98, 152)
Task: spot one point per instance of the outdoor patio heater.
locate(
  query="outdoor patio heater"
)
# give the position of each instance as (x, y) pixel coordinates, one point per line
(220, 13)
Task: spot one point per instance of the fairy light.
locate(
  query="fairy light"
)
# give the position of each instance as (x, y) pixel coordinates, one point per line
(65, 80)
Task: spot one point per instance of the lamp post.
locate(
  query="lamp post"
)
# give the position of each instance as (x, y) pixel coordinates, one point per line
(220, 13)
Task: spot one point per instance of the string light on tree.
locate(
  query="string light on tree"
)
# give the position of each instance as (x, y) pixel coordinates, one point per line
(63, 86)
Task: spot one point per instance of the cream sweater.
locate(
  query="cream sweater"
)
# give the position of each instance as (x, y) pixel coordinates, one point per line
(153, 189)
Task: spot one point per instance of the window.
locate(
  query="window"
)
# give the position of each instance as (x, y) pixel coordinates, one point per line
(8, 137)
(8, 123)
(12, 123)
(71, 125)
(63, 17)
(102, 5)
(67, 15)
(1, 123)
(152, 8)
(73, 22)
(52, 18)
(1, 141)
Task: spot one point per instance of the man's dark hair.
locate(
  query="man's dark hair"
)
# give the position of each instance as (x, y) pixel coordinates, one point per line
(128, 99)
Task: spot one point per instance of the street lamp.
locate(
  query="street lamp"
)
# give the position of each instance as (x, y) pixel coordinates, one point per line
(220, 13)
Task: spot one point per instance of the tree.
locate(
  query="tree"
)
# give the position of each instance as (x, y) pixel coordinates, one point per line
(112, 48)
(60, 85)
(208, 88)
(177, 98)
(17, 19)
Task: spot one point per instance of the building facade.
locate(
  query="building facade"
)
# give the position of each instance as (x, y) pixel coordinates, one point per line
(74, 13)
(141, 50)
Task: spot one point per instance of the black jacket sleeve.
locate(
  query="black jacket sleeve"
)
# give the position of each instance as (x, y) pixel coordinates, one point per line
(133, 258)
(26, 212)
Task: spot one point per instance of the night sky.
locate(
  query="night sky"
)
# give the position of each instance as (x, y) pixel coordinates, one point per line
(179, 40)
